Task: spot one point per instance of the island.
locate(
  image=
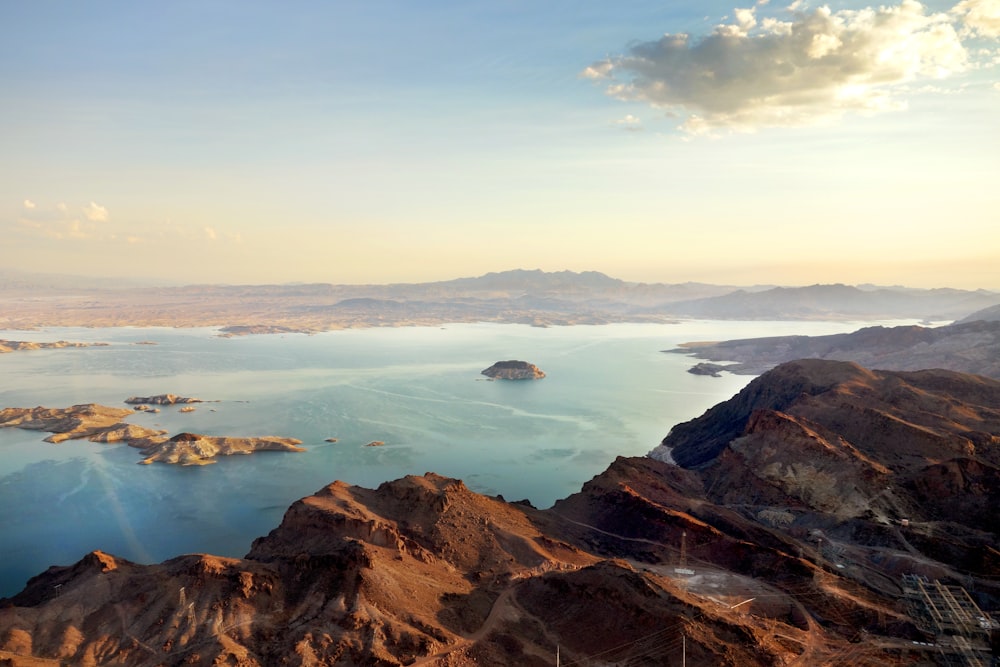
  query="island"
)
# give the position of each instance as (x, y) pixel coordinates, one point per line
(24, 345)
(704, 368)
(100, 423)
(161, 399)
(257, 329)
(513, 370)
(193, 449)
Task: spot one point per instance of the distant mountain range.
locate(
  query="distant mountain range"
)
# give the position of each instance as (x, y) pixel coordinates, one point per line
(519, 296)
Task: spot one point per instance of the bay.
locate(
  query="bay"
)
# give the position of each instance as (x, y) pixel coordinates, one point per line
(609, 392)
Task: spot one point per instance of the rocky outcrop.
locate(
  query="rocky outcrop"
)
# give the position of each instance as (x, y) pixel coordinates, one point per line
(257, 330)
(712, 370)
(22, 345)
(161, 399)
(77, 421)
(189, 449)
(99, 423)
(513, 370)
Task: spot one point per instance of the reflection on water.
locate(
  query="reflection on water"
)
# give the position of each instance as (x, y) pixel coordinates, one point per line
(609, 391)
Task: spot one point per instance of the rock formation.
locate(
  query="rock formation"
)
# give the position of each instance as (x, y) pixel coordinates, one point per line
(77, 421)
(99, 423)
(189, 449)
(22, 345)
(781, 542)
(513, 370)
(161, 399)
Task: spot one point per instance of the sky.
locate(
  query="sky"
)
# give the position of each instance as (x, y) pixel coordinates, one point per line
(376, 141)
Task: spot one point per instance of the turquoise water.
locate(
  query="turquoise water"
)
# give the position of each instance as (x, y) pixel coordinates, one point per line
(609, 391)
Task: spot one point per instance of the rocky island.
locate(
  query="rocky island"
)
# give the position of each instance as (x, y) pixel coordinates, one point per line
(100, 423)
(192, 449)
(77, 421)
(513, 370)
(161, 399)
(23, 345)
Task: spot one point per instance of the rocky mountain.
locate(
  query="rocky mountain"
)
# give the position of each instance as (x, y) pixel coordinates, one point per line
(812, 519)
(969, 347)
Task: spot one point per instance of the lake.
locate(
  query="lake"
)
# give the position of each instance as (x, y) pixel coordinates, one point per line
(609, 392)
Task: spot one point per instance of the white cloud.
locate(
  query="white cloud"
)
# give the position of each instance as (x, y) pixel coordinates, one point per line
(95, 212)
(28, 204)
(811, 69)
(210, 234)
(630, 123)
(597, 70)
(980, 17)
(745, 18)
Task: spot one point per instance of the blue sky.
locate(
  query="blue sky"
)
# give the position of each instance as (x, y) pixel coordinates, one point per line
(251, 142)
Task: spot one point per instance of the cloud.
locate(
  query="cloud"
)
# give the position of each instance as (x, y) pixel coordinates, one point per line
(767, 72)
(630, 123)
(96, 213)
(63, 222)
(980, 17)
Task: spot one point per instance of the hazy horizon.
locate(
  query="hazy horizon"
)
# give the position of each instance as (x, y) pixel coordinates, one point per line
(105, 281)
(757, 143)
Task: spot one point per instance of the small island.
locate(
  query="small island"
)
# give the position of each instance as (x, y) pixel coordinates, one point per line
(513, 370)
(705, 368)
